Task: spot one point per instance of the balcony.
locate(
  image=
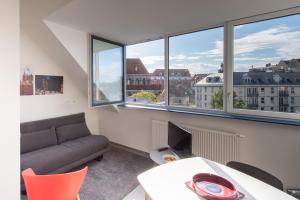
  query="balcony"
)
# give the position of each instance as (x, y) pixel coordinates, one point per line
(144, 87)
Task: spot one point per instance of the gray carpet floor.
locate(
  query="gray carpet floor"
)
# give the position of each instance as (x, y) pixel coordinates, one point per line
(113, 177)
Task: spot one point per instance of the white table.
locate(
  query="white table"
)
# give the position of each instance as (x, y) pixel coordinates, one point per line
(166, 182)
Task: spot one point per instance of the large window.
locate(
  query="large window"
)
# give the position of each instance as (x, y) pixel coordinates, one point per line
(106, 72)
(266, 73)
(248, 66)
(196, 69)
(145, 77)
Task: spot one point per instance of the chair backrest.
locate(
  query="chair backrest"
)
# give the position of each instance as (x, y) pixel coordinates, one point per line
(256, 173)
(56, 186)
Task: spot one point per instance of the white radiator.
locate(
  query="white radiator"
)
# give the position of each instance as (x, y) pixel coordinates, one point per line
(214, 145)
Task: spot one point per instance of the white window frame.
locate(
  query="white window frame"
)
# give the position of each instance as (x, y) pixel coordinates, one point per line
(230, 50)
(190, 109)
(228, 58)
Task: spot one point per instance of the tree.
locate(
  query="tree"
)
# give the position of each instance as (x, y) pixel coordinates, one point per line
(145, 95)
(217, 101)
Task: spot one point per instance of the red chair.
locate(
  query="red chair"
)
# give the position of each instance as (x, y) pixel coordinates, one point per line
(55, 186)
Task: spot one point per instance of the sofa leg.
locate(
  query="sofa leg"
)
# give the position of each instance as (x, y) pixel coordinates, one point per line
(99, 158)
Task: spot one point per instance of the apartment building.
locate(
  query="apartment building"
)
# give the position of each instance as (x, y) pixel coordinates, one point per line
(266, 91)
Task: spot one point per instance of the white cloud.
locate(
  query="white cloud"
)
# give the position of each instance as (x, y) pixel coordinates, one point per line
(282, 39)
(254, 58)
(239, 26)
(196, 68)
(150, 60)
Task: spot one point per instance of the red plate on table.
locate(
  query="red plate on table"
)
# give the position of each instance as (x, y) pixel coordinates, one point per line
(213, 187)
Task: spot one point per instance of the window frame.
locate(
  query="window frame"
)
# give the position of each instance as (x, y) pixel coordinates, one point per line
(229, 49)
(191, 109)
(228, 57)
(91, 73)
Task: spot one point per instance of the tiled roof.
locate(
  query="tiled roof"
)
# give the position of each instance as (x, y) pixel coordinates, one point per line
(266, 78)
(172, 72)
(135, 66)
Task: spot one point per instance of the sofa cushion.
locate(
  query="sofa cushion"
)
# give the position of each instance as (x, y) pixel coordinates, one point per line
(71, 131)
(52, 158)
(37, 140)
(85, 146)
(47, 159)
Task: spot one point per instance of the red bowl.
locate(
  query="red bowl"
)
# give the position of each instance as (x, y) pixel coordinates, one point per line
(213, 187)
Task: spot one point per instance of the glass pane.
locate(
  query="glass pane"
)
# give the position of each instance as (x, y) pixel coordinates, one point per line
(107, 72)
(267, 65)
(145, 73)
(196, 69)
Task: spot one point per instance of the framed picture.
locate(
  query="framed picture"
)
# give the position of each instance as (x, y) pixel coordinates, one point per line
(48, 85)
(26, 81)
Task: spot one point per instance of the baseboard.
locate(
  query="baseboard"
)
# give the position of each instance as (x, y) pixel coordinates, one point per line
(129, 149)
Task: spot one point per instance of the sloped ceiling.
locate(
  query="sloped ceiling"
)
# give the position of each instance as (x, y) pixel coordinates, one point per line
(129, 21)
(32, 16)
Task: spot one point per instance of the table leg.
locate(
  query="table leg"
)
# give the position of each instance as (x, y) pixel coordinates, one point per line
(147, 197)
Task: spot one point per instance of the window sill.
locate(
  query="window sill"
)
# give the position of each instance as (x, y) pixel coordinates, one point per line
(254, 118)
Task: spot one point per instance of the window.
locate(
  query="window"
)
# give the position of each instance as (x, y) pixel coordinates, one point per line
(192, 59)
(106, 72)
(292, 100)
(268, 53)
(292, 90)
(272, 90)
(262, 65)
(145, 73)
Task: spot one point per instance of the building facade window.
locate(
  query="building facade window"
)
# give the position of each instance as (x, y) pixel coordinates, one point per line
(272, 90)
(292, 90)
(292, 100)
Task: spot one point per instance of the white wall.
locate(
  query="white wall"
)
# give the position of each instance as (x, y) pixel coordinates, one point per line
(272, 147)
(74, 41)
(9, 101)
(45, 106)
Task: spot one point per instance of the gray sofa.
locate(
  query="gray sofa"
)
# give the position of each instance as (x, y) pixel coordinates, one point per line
(59, 144)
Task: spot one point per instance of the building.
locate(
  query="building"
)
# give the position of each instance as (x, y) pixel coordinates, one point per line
(267, 91)
(206, 88)
(292, 65)
(138, 78)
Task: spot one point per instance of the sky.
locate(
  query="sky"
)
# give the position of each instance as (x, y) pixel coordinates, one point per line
(255, 44)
